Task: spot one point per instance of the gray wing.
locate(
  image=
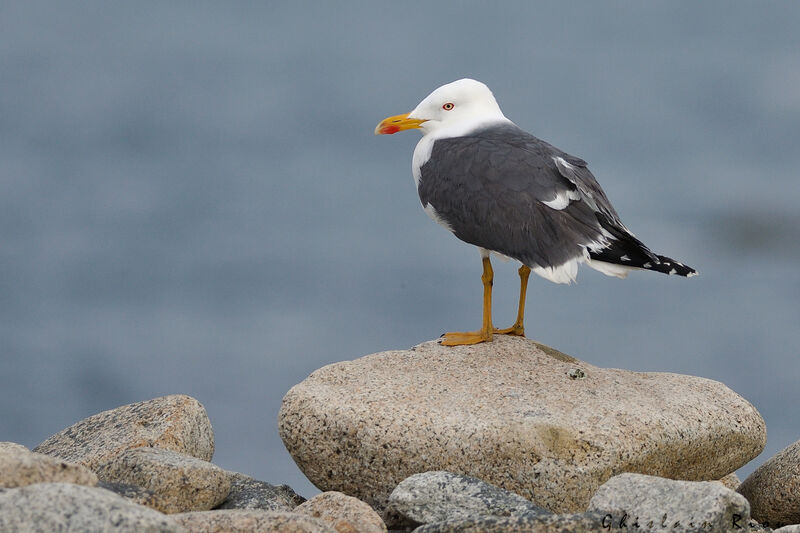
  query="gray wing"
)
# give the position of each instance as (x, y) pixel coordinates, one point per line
(505, 190)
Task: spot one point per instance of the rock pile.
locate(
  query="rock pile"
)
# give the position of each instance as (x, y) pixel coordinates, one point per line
(145, 467)
(510, 436)
(440, 502)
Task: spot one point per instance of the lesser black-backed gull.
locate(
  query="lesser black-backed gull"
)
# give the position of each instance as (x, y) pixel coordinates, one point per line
(505, 191)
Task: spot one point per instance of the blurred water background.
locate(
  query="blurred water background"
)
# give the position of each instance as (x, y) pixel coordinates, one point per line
(192, 199)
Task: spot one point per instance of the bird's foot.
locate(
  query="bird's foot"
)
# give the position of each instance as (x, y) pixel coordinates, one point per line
(459, 338)
(516, 329)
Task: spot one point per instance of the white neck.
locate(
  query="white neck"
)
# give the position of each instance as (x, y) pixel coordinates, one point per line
(460, 128)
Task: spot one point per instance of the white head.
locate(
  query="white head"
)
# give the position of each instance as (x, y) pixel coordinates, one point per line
(460, 105)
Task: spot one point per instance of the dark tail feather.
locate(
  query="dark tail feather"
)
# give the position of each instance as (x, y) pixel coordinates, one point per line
(629, 255)
(627, 250)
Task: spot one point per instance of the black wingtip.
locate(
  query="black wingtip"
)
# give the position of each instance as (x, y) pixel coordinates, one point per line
(671, 267)
(634, 257)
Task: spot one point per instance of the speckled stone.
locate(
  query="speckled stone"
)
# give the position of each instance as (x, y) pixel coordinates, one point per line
(510, 413)
(136, 494)
(788, 529)
(183, 483)
(756, 527)
(730, 481)
(650, 503)
(20, 467)
(175, 422)
(249, 493)
(63, 507)
(250, 520)
(6, 447)
(773, 489)
(532, 523)
(344, 513)
(438, 496)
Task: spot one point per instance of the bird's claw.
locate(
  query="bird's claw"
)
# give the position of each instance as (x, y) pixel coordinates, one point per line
(516, 330)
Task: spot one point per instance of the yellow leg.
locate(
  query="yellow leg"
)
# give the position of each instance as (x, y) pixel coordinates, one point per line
(485, 333)
(518, 328)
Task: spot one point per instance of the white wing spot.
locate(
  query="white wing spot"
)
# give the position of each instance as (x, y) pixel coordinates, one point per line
(562, 200)
(625, 258)
(561, 162)
(647, 265)
(673, 271)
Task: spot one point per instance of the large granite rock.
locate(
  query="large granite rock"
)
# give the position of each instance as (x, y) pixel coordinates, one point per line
(182, 482)
(439, 496)
(773, 489)
(20, 467)
(249, 493)
(176, 422)
(343, 513)
(514, 413)
(650, 503)
(49, 507)
(231, 520)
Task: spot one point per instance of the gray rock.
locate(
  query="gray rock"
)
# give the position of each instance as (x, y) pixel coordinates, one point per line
(136, 494)
(246, 520)
(773, 489)
(756, 527)
(438, 496)
(20, 467)
(509, 413)
(184, 483)
(652, 503)
(249, 493)
(175, 422)
(788, 529)
(52, 507)
(343, 513)
(532, 523)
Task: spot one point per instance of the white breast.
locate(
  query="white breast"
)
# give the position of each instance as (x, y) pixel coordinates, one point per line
(421, 155)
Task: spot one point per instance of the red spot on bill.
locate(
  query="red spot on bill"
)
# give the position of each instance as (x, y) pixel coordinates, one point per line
(389, 129)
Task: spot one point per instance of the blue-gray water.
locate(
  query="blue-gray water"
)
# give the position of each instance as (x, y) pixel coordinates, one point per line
(192, 199)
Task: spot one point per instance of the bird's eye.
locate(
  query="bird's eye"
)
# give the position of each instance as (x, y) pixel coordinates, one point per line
(448, 106)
